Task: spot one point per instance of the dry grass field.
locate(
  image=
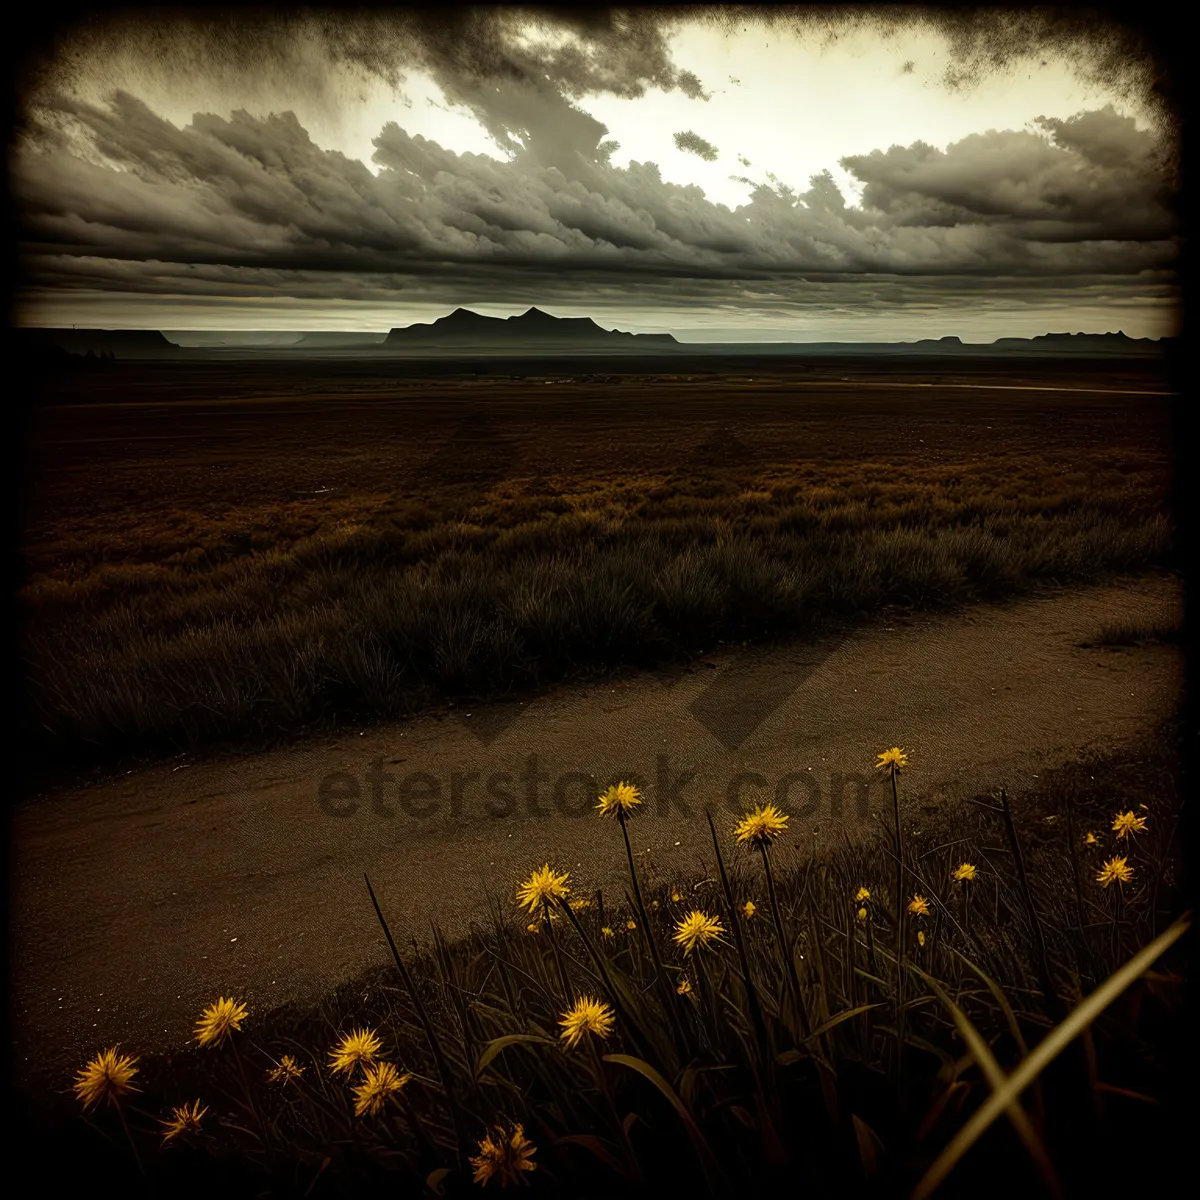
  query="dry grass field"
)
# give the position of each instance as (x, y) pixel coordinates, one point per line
(234, 552)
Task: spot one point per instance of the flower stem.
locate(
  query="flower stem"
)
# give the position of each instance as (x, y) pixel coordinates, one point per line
(557, 950)
(899, 864)
(137, 1158)
(784, 949)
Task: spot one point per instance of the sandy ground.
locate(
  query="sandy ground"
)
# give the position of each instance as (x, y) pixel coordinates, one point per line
(136, 902)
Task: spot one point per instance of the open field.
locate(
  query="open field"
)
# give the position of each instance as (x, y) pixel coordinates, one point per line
(231, 553)
(218, 558)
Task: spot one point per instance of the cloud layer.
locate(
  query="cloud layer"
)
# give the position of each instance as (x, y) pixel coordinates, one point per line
(114, 198)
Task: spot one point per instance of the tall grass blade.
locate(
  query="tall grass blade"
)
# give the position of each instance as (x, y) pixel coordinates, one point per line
(1044, 1053)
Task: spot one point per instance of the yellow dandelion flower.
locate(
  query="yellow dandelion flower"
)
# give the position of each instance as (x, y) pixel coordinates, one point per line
(920, 937)
(504, 1156)
(185, 1118)
(544, 885)
(675, 896)
(533, 927)
(1090, 839)
(1126, 823)
(918, 906)
(749, 909)
(287, 1070)
(894, 759)
(219, 1022)
(685, 987)
(862, 914)
(631, 924)
(762, 826)
(1116, 870)
(380, 1083)
(357, 1046)
(697, 929)
(607, 932)
(586, 1016)
(862, 896)
(109, 1076)
(964, 872)
(619, 800)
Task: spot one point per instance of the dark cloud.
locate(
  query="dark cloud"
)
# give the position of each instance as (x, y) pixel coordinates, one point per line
(510, 66)
(133, 199)
(693, 143)
(114, 198)
(1092, 179)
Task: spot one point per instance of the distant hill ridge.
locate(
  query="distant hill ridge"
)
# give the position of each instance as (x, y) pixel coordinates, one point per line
(464, 327)
(118, 343)
(535, 332)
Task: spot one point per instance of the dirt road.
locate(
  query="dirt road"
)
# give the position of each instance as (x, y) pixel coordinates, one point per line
(136, 902)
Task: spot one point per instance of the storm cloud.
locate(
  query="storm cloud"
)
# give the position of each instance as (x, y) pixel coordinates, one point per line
(116, 182)
(114, 198)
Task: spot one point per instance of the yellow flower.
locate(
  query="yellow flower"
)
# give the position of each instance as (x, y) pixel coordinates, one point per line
(920, 937)
(895, 758)
(862, 895)
(607, 932)
(862, 914)
(697, 929)
(1090, 839)
(685, 987)
(544, 885)
(1126, 823)
(762, 826)
(631, 924)
(580, 904)
(357, 1046)
(586, 1016)
(619, 800)
(749, 909)
(918, 906)
(109, 1076)
(219, 1022)
(288, 1070)
(533, 927)
(964, 872)
(380, 1083)
(675, 896)
(504, 1156)
(1116, 870)
(185, 1118)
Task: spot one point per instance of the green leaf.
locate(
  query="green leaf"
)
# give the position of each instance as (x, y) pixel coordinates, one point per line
(1049, 1048)
(699, 1141)
(870, 1148)
(511, 1039)
(838, 1018)
(595, 1146)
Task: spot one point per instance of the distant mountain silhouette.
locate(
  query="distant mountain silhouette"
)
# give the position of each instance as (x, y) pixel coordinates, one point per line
(1087, 343)
(531, 329)
(535, 334)
(115, 343)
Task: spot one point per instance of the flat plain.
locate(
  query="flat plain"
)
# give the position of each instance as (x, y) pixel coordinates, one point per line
(229, 553)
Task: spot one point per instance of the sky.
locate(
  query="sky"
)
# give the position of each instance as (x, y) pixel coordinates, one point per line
(719, 174)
